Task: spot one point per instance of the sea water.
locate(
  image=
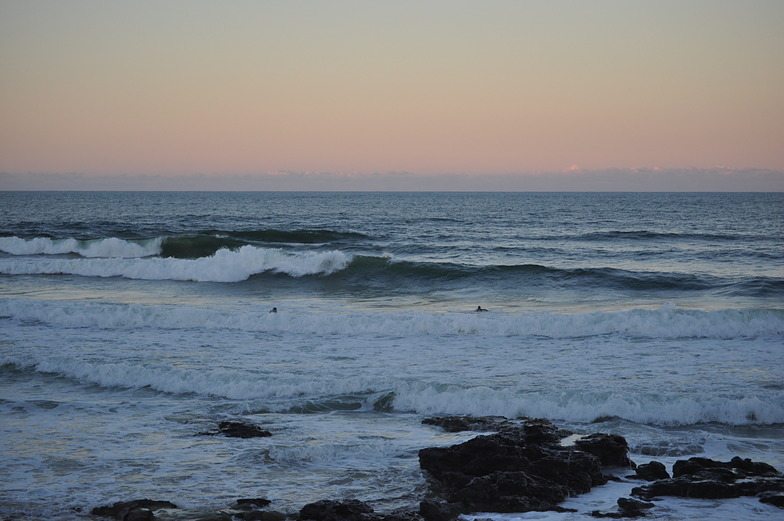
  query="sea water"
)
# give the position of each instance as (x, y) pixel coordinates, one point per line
(132, 322)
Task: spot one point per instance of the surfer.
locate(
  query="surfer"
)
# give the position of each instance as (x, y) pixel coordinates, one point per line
(479, 309)
(273, 310)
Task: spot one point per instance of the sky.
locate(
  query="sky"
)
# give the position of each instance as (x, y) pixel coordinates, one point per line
(246, 94)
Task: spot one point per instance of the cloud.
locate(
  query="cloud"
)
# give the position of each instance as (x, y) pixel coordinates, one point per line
(719, 179)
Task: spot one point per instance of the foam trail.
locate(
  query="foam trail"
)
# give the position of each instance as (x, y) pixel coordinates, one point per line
(662, 323)
(280, 392)
(109, 247)
(588, 406)
(224, 266)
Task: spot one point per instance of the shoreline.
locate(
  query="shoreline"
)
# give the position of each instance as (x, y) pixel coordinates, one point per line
(510, 467)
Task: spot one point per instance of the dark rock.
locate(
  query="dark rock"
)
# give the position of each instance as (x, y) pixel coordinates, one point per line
(252, 503)
(137, 510)
(234, 429)
(685, 487)
(611, 449)
(626, 508)
(439, 510)
(211, 516)
(466, 423)
(633, 507)
(773, 498)
(522, 468)
(652, 471)
(706, 478)
(272, 515)
(735, 467)
(606, 515)
(242, 430)
(250, 515)
(261, 515)
(754, 468)
(401, 515)
(510, 492)
(139, 514)
(540, 431)
(326, 510)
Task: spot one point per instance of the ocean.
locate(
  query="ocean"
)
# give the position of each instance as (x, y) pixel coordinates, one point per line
(131, 322)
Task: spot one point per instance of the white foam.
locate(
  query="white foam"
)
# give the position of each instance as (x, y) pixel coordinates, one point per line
(224, 266)
(111, 247)
(586, 407)
(665, 323)
(282, 389)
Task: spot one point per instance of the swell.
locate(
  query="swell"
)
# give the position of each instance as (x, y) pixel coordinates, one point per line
(377, 270)
(208, 242)
(192, 246)
(233, 262)
(646, 235)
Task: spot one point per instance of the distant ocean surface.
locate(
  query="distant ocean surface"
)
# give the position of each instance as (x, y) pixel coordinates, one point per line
(130, 322)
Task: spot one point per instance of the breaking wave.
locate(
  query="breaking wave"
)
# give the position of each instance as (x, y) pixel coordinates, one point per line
(307, 394)
(224, 266)
(146, 260)
(668, 322)
(91, 248)
(202, 244)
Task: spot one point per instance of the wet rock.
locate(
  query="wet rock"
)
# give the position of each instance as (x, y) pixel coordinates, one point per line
(627, 508)
(709, 479)
(632, 507)
(235, 429)
(773, 498)
(252, 503)
(467, 423)
(735, 467)
(685, 487)
(431, 510)
(261, 515)
(250, 515)
(523, 467)
(652, 471)
(511, 492)
(136, 510)
(327, 510)
(611, 449)
(242, 430)
(401, 515)
(211, 516)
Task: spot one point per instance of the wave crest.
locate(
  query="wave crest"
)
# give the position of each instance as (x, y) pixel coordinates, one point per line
(110, 247)
(223, 266)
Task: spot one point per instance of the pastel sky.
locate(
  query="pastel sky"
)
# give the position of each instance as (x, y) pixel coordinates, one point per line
(354, 90)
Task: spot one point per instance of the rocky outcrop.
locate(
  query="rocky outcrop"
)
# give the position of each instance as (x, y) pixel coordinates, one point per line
(652, 471)
(350, 510)
(773, 498)
(326, 510)
(611, 449)
(706, 478)
(136, 510)
(627, 508)
(467, 423)
(247, 510)
(523, 467)
(236, 429)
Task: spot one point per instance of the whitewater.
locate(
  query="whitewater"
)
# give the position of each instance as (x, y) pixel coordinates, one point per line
(132, 322)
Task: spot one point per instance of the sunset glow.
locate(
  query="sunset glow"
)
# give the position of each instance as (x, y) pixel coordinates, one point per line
(492, 88)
